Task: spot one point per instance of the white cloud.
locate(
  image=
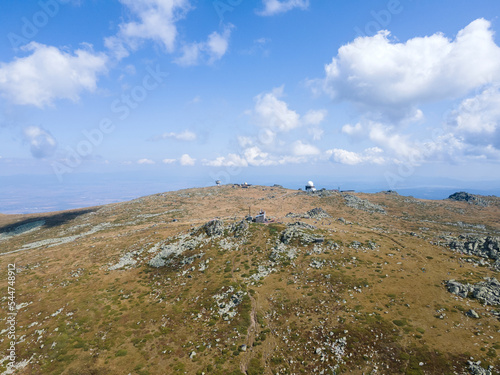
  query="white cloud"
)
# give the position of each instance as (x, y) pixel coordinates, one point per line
(304, 149)
(379, 73)
(48, 74)
(256, 157)
(477, 119)
(186, 135)
(187, 160)
(370, 156)
(344, 156)
(42, 143)
(353, 130)
(314, 117)
(272, 7)
(168, 161)
(231, 160)
(245, 141)
(155, 20)
(208, 52)
(145, 161)
(273, 113)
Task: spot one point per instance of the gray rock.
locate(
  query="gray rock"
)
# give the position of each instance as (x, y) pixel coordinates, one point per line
(487, 292)
(173, 250)
(476, 369)
(487, 247)
(240, 228)
(362, 204)
(463, 196)
(299, 230)
(472, 314)
(214, 228)
(318, 213)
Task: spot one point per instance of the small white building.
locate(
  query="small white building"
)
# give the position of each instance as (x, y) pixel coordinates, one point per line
(261, 217)
(310, 186)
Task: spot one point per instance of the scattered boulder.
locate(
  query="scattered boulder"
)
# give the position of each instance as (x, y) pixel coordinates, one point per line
(476, 369)
(214, 228)
(299, 230)
(362, 204)
(316, 213)
(487, 291)
(472, 314)
(173, 250)
(487, 247)
(240, 228)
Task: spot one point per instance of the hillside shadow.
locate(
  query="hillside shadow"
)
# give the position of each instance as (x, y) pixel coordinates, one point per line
(51, 221)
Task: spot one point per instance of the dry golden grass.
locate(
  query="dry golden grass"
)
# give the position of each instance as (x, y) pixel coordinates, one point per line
(142, 320)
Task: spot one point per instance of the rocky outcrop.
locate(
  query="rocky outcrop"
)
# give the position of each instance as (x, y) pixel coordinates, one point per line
(239, 228)
(463, 196)
(227, 301)
(362, 204)
(487, 291)
(300, 231)
(316, 213)
(476, 369)
(214, 228)
(487, 247)
(171, 251)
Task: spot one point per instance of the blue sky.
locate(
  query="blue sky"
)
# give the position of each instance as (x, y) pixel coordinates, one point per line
(396, 92)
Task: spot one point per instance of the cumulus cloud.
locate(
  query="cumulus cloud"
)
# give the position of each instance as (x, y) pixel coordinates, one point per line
(477, 119)
(314, 117)
(145, 161)
(231, 160)
(49, 73)
(42, 143)
(353, 130)
(369, 156)
(273, 113)
(255, 156)
(272, 7)
(186, 135)
(208, 51)
(154, 20)
(379, 73)
(251, 156)
(187, 160)
(300, 148)
(168, 161)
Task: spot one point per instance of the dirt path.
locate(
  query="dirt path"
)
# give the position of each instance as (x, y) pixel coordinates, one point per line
(250, 336)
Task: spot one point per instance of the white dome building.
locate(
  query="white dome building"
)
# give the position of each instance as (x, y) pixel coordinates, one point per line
(310, 186)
